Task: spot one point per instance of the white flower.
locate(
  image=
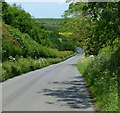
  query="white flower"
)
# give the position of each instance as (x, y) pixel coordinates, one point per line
(10, 57)
(91, 55)
(13, 59)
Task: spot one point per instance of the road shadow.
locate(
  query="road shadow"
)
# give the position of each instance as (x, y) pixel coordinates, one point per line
(73, 65)
(73, 94)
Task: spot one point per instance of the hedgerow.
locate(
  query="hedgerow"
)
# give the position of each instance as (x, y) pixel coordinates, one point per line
(102, 76)
(15, 67)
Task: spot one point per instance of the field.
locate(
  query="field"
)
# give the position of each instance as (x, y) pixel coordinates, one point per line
(49, 23)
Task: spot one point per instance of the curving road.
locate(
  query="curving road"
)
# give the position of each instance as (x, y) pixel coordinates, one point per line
(58, 87)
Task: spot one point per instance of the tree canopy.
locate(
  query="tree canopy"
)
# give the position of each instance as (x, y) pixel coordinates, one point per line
(94, 25)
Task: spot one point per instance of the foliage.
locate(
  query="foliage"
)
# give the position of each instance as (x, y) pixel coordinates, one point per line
(43, 31)
(10, 46)
(28, 45)
(18, 18)
(86, 22)
(18, 44)
(22, 54)
(83, 63)
(56, 40)
(15, 67)
(95, 26)
(102, 75)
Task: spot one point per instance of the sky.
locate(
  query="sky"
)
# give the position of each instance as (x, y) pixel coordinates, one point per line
(43, 9)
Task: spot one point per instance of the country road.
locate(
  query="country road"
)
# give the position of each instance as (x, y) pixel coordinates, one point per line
(58, 87)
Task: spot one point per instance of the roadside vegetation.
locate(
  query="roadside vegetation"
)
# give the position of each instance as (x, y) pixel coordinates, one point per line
(17, 44)
(30, 44)
(101, 73)
(95, 27)
(15, 67)
(27, 45)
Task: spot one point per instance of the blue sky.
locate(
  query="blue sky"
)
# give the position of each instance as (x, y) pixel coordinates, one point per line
(44, 9)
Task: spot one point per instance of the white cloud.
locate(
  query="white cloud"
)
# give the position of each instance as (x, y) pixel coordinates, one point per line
(36, 1)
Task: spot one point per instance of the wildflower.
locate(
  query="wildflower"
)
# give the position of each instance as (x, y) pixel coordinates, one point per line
(13, 59)
(91, 55)
(10, 57)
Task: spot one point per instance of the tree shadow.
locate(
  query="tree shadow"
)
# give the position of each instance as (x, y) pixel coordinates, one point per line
(72, 65)
(74, 94)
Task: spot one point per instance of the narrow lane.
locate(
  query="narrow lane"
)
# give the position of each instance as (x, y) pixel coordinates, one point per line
(58, 87)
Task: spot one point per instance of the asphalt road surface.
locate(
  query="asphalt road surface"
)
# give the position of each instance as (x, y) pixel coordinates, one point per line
(58, 87)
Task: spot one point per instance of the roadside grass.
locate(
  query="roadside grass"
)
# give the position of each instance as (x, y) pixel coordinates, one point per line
(102, 76)
(83, 63)
(15, 67)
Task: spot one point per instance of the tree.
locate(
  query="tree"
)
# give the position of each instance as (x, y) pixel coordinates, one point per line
(94, 25)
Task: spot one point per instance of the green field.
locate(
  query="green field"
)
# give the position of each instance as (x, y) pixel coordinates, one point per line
(49, 23)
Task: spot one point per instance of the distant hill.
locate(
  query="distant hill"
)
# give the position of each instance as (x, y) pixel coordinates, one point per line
(49, 23)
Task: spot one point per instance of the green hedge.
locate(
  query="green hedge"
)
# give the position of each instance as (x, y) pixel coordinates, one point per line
(15, 67)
